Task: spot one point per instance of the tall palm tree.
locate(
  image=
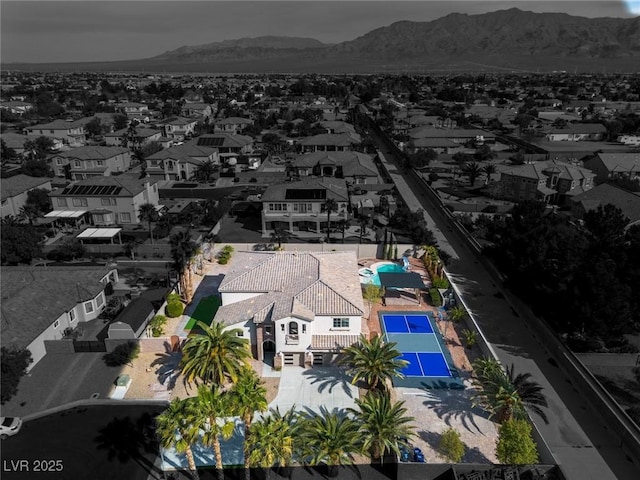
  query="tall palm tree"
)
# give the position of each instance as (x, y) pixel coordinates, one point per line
(343, 225)
(213, 418)
(489, 169)
(183, 248)
(215, 355)
(271, 442)
(472, 170)
(176, 429)
(329, 206)
(147, 213)
(205, 171)
(363, 222)
(530, 392)
(382, 423)
(330, 438)
(29, 213)
(248, 395)
(280, 235)
(373, 361)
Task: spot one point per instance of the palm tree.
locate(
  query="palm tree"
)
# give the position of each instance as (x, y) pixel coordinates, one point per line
(504, 394)
(175, 429)
(215, 355)
(205, 171)
(364, 222)
(213, 407)
(280, 235)
(330, 438)
(373, 361)
(182, 250)
(147, 213)
(489, 169)
(382, 423)
(343, 225)
(472, 170)
(329, 205)
(271, 441)
(29, 213)
(248, 395)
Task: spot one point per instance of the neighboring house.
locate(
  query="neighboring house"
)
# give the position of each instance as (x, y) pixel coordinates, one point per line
(227, 144)
(69, 133)
(550, 182)
(113, 200)
(178, 128)
(202, 110)
(354, 167)
(298, 206)
(577, 132)
(143, 137)
(232, 124)
(180, 162)
(627, 202)
(438, 145)
(14, 141)
(338, 127)
(132, 108)
(40, 303)
(14, 191)
(613, 165)
(17, 107)
(303, 308)
(330, 142)
(85, 162)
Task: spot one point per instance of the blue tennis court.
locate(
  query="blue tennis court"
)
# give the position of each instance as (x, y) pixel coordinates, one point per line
(429, 362)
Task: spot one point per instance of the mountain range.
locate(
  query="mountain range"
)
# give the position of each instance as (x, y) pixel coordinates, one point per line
(512, 40)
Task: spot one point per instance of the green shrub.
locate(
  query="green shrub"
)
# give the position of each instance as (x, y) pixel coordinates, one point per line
(227, 249)
(173, 297)
(440, 282)
(451, 447)
(157, 324)
(436, 298)
(515, 446)
(174, 309)
(123, 354)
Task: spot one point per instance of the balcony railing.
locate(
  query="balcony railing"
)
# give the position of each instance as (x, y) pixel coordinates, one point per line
(292, 340)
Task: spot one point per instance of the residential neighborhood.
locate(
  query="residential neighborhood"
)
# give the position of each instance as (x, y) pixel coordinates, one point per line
(261, 240)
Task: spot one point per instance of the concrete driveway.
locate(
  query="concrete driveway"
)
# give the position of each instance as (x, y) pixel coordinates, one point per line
(309, 389)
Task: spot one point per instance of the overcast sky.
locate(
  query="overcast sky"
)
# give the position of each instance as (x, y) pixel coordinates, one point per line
(86, 30)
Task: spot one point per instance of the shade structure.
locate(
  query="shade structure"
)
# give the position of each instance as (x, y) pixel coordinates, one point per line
(400, 280)
(99, 233)
(65, 214)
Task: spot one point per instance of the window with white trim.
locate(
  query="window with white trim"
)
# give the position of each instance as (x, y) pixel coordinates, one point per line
(340, 322)
(99, 301)
(88, 307)
(304, 328)
(62, 202)
(72, 316)
(125, 217)
(240, 333)
(268, 330)
(278, 207)
(56, 324)
(79, 202)
(108, 201)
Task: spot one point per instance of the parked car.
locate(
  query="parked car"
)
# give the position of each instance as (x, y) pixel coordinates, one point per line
(9, 426)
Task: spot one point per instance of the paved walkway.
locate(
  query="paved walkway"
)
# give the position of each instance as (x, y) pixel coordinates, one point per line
(310, 389)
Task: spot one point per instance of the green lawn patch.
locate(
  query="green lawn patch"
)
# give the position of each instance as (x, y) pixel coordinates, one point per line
(204, 312)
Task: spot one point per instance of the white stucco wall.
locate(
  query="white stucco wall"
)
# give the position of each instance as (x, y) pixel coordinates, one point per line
(305, 330)
(324, 325)
(232, 297)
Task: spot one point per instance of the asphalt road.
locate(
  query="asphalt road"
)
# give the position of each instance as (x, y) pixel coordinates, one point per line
(577, 436)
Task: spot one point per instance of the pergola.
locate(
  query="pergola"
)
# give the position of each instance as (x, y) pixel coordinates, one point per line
(74, 215)
(402, 281)
(100, 234)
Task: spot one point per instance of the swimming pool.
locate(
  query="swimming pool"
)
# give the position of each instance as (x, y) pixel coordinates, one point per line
(370, 275)
(420, 343)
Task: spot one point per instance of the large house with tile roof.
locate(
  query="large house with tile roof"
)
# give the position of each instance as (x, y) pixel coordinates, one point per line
(92, 161)
(40, 303)
(612, 165)
(69, 133)
(302, 307)
(601, 195)
(180, 162)
(113, 200)
(298, 207)
(232, 124)
(178, 128)
(330, 142)
(144, 136)
(550, 182)
(354, 167)
(577, 132)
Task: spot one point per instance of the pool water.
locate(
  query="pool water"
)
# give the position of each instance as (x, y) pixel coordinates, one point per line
(384, 268)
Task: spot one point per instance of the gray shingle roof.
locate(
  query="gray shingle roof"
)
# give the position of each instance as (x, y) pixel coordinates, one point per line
(12, 186)
(33, 298)
(292, 283)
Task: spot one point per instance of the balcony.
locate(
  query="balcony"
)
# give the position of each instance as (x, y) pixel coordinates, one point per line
(291, 339)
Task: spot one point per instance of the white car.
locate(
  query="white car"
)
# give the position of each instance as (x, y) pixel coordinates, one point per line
(9, 426)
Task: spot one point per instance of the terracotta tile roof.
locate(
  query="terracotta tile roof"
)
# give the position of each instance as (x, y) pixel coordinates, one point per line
(93, 153)
(292, 283)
